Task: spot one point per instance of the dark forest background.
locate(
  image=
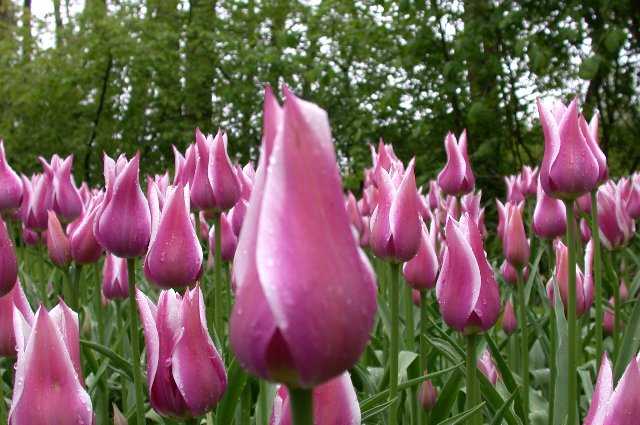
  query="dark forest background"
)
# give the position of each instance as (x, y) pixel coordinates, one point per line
(122, 75)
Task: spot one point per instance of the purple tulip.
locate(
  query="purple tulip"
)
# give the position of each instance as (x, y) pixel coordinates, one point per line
(427, 395)
(334, 402)
(185, 166)
(123, 222)
(185, 374)
(510, 274)
(10, 184)
(34, 215)
(633, 200)
(487, 366)
(529, 181)
(583, 204)
(174, 258)
(48, 383)
(515, 245)
(421, 271)
(615, 224)
(509, 321)
(65, 200)
(115, 278)
(225, 184)
(585, 230)
(435, 195)
(619, 406)
(549, 216)
(456, 178)
(15, 298)
(58, 245)
(514, 192)
(229, 241)
(354, 214)
(584, 282)
(85, 249)
(590, 132)
(292, 272)
(569, 168)
(609, 318)
(395, 223)
(8, 261)
(29, 237)
(466, 289)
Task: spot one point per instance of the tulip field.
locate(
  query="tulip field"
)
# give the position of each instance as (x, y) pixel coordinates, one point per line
(265, 293)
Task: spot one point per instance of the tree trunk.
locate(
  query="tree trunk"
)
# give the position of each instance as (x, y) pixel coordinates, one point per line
(27, 39)
(58, 18)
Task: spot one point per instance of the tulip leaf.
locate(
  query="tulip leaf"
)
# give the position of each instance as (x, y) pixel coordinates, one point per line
(630, 342)
(236, 381)
(533, 274)
(495, 400)
(447, 397)
(505, 371)
(405, 358)
(499, 415)
(560, 402)
(376, 410)
(118, 361)
(462, 416)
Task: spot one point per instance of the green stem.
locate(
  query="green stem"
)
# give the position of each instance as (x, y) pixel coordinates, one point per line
(616, 318)
(597, 274)
(409, 324)
(218, 316)
(473, 392)
(301, 406)
(572, 383)
(3, 406)
(103, 404)
(423, 417)
(135, 342)
(552, 364)
(524, 348)
(394, 292)
(263, 403)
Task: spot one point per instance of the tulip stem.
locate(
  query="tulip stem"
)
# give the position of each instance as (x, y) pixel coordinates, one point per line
(572, 384)
(597, 274)
(135, 342)
(3, 406)
(394, 292)
(263, 403)
(473, 393)
(301, 406)
(552, 363)
(423, 418)
(218, 287)
(524, 348)
(104, 387)
(409, 323)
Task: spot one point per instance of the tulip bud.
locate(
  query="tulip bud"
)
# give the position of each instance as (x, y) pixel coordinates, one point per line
(237, 214)
(487, 366)
(14, 299)
(225, 184)
(466, 289)
(549, 216)
(58, 245)
(185, 373)
(529, 181)
(65, 199)
(502, 218)
(585, 230)
(228, 240)
(395, 223)
(29, 237)
(509, 321)
(633, 201)
(8, 260)
(10, 184)
(427, 395)
(184, 166)
(115, 278)
(435, 195)
(456, 178)
(514, 194)
(515, 244)
(123, 222)
(354, 213)
(334, 402)
(290, 272)
(583, 204)
(584, 282)
(85, 249)
(561, 175)
(422, 270)
(615, 224)
(619, 406)
(40, 201)
(48, 382)
(174, 258)
(590, 132)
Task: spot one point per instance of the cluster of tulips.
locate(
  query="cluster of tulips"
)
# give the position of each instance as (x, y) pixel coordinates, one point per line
(303, 287)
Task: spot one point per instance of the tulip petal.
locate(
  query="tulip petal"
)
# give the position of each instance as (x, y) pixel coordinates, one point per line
(623, 407)
(404, 218)
(601, 394)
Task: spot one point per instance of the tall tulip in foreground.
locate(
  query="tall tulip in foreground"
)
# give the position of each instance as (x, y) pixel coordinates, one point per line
(10, 184)
(306, 294)
(48, 383)
(14, 299)
(8, 261)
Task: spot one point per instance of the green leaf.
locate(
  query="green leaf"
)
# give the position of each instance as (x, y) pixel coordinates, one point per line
(368, 414)
(118, 361)
(447, 397)
(630, 342)
(503, 367)
(499, 415)
(462, 416)
(237, 379)
(560, 408)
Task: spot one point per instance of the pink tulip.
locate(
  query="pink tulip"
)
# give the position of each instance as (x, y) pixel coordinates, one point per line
(229, 241)
(584, 282)
(549, 216)
(514, 193)
(10, 184)
(222, 175)
(583, 204)
(174, 258)
(15, 298)
(386, 160)
(585, 230)
(8, 261)
(237, 214)
(34, 215)
(487, 366)
(48, 383)
(185, 374)
(29, 237)
(619, 406)
(529, 181)
(515, 245)
(334, 402)
(85, 249)
(395, 223)
(292, 272)
(427, 395)
(115, 278)
(58, 245)
(569, 166)
(456, 178)
(502, 218)
(435, 195)
(123, 221)
(616, 225)
(470, 204)
(354, 214)
(509, 321)
(422, 270)
(633, 200)
(185, 166)
(66, 201)
(466, 289)
(590, 132)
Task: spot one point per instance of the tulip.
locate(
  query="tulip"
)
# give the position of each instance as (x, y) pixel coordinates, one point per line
(616, 225)
(502, 218)
(291, 272)
(427, 395)
(529, 181)
(514, 193)
(619, 406)
(229, 241)
(590, 132)
(48, 383)
(334, 402)
(395, 223)
(225, 184)
(569, 167)
(470, 203)
(583, 204)
(386, 160)
(115, 278)
(29, 237)
(609, 319)
(515, 244)
(14, 299)
(65, 198)
(34, 215)
(585, 231)
(510, 274)
(85, 249)
(354, 214)
(466, 288)
(422, 270)
(10, 184)
(509, 321)
(58, 245)
(174, 258)
(185, 374)
(549, 216)
(456, 178)
(633, 201)
(487, 366)
(185, 166)
(435, 195)
(123, 222)
(584, 282)
(8, 261)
